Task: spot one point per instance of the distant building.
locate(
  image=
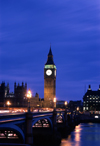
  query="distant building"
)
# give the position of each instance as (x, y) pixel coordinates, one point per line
(75, 105)
(35, 102)
(4, 90)
(91, 100)
(11, 98)
(60, 104)
(20, 93)
(16, 99)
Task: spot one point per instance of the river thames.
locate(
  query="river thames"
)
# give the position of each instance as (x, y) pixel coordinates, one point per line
(86, 134)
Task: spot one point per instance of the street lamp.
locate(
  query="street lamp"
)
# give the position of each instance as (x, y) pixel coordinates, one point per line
(29, 95)
(54, 101)
(65, 104)
(77, 108)
(8, 103)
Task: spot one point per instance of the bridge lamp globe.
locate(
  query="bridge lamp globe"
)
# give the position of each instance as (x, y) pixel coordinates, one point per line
(77, 108)
(65, 103)
(8, 103)
(29, 95)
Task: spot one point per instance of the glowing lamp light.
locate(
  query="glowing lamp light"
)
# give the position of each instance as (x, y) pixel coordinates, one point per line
(65, 102)
(8, 103)
(77, 108)
(29, 94)
(54, 100)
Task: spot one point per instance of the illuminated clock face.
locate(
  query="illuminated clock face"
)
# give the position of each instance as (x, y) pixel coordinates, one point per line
(49, 72)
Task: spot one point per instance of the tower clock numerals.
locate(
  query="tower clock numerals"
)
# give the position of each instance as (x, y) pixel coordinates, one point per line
(48, 72)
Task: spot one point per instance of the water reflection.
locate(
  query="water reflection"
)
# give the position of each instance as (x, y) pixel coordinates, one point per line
(83, 135)
(77, 133)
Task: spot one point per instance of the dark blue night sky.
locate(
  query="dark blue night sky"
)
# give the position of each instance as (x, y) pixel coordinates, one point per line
(27, 28)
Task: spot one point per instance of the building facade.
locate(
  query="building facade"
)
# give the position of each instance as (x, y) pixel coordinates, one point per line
(91, 100)
(4, 91)
(60, 104)
(35, 101)
(75, 105)
(49, 81)
(20, 93)
(16, 99)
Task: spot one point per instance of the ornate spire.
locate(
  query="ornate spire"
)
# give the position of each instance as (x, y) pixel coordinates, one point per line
(50, 52)
(50, 58)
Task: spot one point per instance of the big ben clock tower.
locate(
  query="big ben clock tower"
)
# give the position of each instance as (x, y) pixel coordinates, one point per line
(49, 80)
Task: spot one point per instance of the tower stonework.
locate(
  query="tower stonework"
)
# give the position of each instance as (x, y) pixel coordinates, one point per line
(49, 80)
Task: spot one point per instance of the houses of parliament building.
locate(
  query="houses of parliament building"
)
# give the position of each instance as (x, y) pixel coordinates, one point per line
(19, 97)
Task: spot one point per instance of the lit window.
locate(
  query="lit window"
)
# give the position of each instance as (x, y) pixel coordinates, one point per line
(87, 108)
(87, 96)
(83, 108)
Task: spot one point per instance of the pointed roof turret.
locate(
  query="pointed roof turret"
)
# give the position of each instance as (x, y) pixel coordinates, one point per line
(50, 58)
(50, 52)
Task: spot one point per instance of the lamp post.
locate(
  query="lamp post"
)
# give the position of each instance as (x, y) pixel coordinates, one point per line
(54, 101)
(77, 108)
(65, 104)
(8, 103)
(29, 95)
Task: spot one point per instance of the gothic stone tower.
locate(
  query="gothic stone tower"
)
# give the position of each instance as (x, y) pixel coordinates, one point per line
(49, 81)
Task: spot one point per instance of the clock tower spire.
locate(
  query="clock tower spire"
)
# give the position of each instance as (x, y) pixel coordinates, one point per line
(50, 58)
(49, 80)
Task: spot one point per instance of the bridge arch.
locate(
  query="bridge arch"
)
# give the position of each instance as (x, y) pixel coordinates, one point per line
(14, 128)
(60, 119)
(42, 118)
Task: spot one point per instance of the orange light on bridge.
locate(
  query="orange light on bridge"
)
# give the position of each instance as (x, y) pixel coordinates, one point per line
(77, 108)
(8, 103)
(65, 103)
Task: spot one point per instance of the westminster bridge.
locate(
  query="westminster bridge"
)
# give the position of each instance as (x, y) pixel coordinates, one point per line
(22, 127)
